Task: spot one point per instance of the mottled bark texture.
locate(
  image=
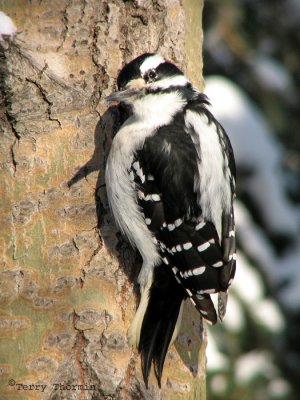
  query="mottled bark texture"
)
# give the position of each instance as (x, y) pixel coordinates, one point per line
(67, 292)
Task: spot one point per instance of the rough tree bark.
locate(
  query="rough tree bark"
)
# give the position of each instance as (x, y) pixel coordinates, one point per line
(66, 279)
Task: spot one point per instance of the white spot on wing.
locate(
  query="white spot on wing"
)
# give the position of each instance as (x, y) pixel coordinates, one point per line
(218, 264)
(187, 246)
(200, 225)
(178, 222)
(199, 271)
(203, 246)
(155, 197)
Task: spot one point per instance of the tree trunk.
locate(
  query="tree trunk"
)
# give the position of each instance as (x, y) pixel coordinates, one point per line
(67, 276)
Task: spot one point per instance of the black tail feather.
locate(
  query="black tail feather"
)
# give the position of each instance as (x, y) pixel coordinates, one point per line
(205, 306)
(161, 351)
(159, 321)
(146, 347)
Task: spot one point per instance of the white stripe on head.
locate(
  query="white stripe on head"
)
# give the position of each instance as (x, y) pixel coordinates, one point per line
(151, 62)
(176, 80)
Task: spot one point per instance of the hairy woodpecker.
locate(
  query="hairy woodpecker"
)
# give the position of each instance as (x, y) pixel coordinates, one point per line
(170, 178)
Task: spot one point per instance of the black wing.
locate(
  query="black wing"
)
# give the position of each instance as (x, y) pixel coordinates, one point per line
(195, 261)
(164, 171)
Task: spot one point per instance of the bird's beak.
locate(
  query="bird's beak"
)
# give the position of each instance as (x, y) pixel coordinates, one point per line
(131, 91)
(122, 96)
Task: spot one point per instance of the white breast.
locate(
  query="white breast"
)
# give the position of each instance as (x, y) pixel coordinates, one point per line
(121, 191)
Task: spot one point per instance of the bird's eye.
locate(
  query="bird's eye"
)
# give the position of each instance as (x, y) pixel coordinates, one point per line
(151, 75)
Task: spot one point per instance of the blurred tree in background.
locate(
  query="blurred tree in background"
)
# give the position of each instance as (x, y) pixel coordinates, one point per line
(253, 48)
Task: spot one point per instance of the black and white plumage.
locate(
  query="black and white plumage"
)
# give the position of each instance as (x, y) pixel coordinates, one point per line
(170, 179)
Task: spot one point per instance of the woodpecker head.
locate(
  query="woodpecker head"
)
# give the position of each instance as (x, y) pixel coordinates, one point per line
(145, 75)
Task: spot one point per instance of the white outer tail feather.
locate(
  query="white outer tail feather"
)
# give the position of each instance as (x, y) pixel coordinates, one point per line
(134, 331)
